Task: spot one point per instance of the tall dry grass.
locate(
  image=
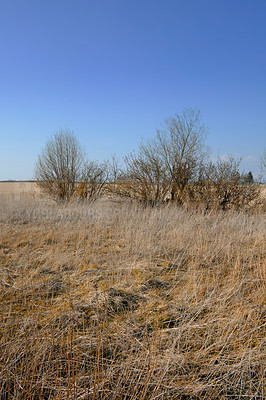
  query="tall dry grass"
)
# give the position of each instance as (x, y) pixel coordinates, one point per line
(115, 301)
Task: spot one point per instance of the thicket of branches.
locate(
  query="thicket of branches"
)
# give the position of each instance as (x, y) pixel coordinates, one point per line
(222, 186)
(174, 166)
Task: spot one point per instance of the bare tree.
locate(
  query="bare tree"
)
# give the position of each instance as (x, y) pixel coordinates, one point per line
(224, 171)
(145, 178)
(221, 186)
(181, 149)
(115, 169)
(165, 165)
(59, 166)
(94, 178)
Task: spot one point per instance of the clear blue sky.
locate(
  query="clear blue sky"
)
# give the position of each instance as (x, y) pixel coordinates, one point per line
(113, 70)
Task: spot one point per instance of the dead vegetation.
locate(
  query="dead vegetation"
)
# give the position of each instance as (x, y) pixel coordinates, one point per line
(115, 301)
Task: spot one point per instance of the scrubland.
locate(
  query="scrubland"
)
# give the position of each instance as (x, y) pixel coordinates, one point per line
(112, 300)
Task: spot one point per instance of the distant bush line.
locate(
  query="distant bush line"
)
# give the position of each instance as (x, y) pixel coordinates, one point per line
(173, 167)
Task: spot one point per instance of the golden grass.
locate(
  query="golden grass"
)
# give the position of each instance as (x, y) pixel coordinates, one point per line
(115, 301)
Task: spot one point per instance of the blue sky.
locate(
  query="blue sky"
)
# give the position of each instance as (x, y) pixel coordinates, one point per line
(113, 70)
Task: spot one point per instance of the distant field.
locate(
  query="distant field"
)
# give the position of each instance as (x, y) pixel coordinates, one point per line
(16, 189)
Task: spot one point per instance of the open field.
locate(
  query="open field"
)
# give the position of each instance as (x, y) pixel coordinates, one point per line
(110, 300)
(16, 190)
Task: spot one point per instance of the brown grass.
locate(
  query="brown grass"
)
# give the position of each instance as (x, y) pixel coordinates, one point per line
(115, 301)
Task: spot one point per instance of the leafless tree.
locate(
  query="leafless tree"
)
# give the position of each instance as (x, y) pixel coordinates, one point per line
(144, 178)
(221, 186)
(94, 178)
(180, 145)
(115, 169)
(224, 170)
(170, 161)
(59, 166)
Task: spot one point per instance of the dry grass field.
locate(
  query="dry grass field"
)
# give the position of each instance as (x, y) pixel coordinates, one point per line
(111, 300)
